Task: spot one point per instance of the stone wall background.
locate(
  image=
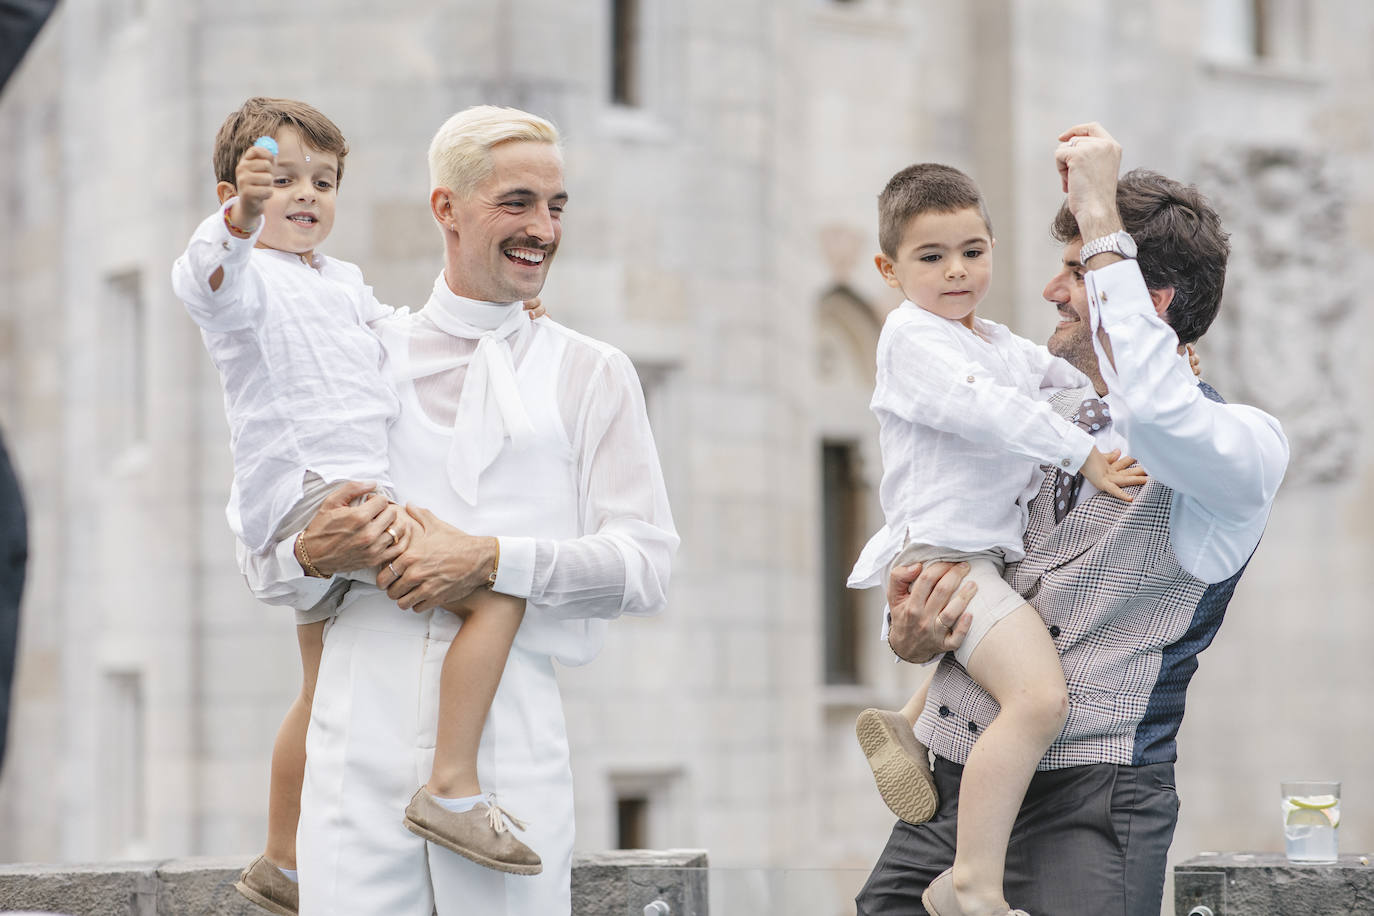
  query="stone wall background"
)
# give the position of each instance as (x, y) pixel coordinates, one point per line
(721, 234)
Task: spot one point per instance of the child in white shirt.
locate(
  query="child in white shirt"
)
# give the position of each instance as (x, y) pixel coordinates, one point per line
(963, 434)
(309, 407)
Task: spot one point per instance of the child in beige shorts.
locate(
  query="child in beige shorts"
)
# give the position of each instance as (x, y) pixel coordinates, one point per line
(309, 408)
(963, 429)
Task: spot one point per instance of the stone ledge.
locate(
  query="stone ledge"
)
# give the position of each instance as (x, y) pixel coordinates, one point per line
(603, 884)
(1263, 884)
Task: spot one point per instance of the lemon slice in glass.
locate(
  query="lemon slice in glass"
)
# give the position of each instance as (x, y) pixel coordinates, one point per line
(1314, 802)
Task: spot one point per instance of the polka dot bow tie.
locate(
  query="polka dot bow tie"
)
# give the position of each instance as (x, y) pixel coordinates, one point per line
(1093, 415)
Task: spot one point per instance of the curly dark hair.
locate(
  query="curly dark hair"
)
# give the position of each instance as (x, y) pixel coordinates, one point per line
(1181, 242)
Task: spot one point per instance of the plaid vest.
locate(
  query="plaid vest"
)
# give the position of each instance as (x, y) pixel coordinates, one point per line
(1127, 620)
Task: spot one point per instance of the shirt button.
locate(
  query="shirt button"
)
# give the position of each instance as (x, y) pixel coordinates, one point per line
(1054, 632)
(944, 711)
(1103, 295)
(973, 727)
(970, 380)
(225, 244)
(1065, 462)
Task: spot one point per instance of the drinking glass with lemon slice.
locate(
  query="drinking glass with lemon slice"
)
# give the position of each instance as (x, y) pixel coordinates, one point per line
(1311, 818)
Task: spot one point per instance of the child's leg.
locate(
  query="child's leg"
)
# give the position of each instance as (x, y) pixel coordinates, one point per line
(1017, 663)
(288, 754)
(912, 710)
(471, 673)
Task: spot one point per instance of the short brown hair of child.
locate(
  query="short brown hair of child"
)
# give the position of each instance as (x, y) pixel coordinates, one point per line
(261, 117)
(927, 187)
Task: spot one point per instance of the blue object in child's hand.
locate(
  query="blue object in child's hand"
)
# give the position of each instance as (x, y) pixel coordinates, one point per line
(267, 143)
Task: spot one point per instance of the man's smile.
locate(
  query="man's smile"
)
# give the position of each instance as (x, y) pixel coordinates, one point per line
(526, 257)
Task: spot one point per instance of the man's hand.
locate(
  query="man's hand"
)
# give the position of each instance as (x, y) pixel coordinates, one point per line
(1089, 159)
(253, 182)
(442, 565)
(929, 609)
(343, 536)
(535, 309)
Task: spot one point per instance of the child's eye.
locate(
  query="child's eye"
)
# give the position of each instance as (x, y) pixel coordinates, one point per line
(281, 181)
(930, 258)
(973, 253)
(323, 185)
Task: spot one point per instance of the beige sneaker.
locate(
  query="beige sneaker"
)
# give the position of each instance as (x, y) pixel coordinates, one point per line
(900, 763)
(264, 884)
(479, 834)
(939, 899)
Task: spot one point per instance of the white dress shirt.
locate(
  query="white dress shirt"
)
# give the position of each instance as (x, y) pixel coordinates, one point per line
(301, 370)
(963, 428)
(1224, 462)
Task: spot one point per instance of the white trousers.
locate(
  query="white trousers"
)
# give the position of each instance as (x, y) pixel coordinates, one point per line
(371, 745)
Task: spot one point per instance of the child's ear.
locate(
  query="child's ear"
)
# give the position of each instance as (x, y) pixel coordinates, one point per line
(887, 269)
(225, 190)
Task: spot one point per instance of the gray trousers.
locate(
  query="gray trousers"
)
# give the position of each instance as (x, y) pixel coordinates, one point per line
(1090, 840)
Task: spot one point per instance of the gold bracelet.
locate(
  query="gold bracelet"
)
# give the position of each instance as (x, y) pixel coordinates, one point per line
(495, 565)
(303, 556)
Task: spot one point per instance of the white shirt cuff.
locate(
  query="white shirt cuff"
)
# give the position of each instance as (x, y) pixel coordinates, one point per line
(1116, 292)
(306, 590)
(515, 571)
(230, 242)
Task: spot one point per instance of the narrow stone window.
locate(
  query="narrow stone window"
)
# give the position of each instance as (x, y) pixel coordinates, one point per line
(626, 88)
(123, 762)
(124, 351)
(841, 514)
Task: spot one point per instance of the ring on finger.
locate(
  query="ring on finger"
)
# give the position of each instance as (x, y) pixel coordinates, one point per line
(392, 531)
(393, 571)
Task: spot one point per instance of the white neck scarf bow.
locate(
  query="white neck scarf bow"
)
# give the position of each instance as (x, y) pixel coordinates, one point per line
(490, 409)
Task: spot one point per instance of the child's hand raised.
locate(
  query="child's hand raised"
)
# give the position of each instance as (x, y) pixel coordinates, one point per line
(1111, 471)
(253, 181)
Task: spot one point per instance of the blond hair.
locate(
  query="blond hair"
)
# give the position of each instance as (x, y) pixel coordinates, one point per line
(460, 153)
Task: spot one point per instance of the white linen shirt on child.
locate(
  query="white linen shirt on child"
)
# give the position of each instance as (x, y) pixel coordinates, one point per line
(301, 369)
(963, 428)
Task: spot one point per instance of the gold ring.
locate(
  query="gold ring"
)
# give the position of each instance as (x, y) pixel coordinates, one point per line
(392, 531)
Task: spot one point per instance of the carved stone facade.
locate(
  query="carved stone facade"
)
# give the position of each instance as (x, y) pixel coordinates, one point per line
(1283, 340)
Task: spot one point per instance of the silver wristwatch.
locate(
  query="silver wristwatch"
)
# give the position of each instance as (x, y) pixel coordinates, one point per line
(1119, 242)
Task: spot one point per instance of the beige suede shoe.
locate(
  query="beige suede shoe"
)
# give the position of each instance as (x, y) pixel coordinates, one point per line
(939, 899)
(264, 884)
(479, 834)
(900, 764)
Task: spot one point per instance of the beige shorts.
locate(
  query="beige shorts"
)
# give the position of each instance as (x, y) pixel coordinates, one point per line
(314, 491)
(995, 599)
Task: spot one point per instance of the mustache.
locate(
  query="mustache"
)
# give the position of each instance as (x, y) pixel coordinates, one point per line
(527, 242)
